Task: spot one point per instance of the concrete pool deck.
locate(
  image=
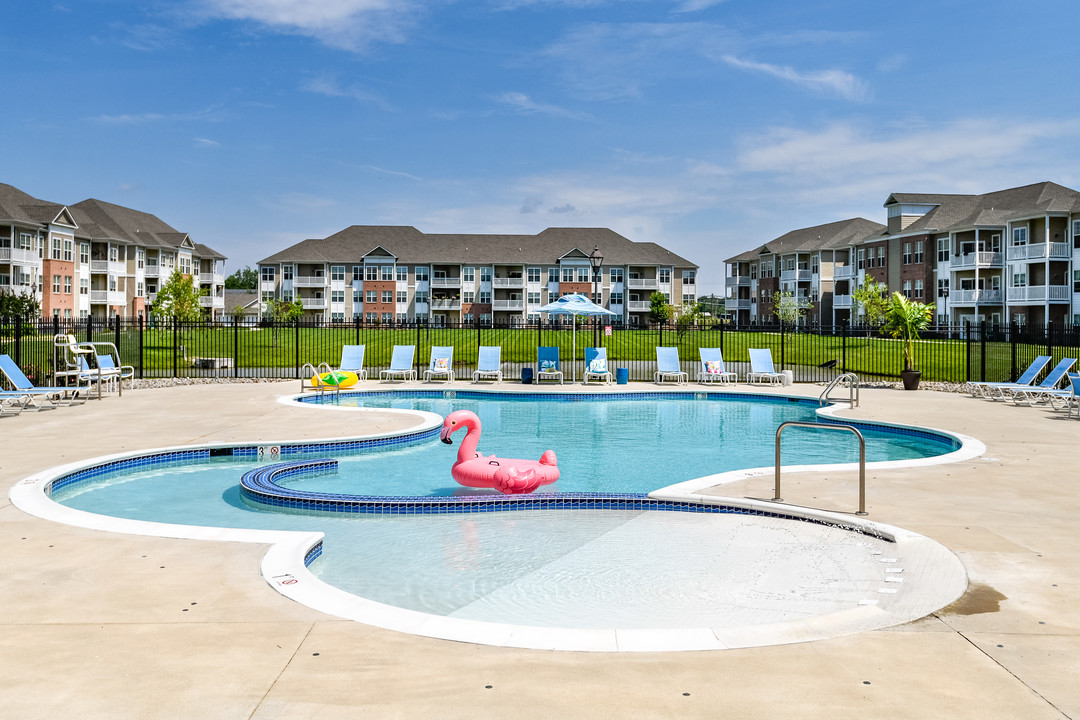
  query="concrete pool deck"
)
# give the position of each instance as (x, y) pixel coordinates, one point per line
(103, 625)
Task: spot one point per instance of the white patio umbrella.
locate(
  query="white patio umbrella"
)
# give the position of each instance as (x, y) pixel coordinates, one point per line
(575, 304)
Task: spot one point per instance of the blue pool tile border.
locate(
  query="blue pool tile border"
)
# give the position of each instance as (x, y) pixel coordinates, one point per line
(259, 487)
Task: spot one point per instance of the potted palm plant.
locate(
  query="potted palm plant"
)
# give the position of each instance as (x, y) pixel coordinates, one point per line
(904, 320)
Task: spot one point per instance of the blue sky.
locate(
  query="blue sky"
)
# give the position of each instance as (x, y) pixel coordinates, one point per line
(708, 126)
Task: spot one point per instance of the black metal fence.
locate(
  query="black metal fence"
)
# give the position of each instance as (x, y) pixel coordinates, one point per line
(264, 349)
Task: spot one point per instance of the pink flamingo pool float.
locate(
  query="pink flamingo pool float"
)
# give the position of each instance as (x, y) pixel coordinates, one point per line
(507, 475)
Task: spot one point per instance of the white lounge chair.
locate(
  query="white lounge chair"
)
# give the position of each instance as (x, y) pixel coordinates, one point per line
(667, 366)
(987, 389)
(762, 371)
(712, 368)
(23, 385)
(547, 364)
(401, 364)
(1044, 391)
(488, 364)
(596, 366)
(441, 365)
(106, 368)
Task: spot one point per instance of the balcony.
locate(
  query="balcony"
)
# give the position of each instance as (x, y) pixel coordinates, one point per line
(1038, 251)
(1040, 293)
(737, 281)
(309, 281)
(795, 275)
(314, 303)
(103, 267)
(637, 305)
(964, 298)
(508, 305)
(736, 304)
(211, 301)
(211, 279)
(643, 284)
(151, 271)
(844, 272)
(500, 282)
(974, 260)
(445, 282)
(108, 297)
(841, 302)
(445, 304)
(18, 255)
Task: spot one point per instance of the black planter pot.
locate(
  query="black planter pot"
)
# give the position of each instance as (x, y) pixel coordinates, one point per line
(911, 379)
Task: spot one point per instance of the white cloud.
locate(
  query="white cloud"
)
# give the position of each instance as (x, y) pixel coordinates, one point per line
(206, 143)
(525, 105)
(830, 82)
(330, 87)
(690, 6)
(347, 24)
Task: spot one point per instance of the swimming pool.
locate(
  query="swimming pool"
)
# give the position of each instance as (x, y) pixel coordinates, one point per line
(471, 569)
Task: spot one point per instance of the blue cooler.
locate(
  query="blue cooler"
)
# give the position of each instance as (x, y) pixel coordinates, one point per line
(622, 376)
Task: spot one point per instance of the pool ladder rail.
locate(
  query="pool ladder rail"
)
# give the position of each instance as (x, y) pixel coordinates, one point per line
(309, 372)
(852, 382)
(820, 426)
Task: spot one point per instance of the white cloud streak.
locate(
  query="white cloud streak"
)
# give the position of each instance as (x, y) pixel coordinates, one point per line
(830, 82)
(330, 87)
(523, 104)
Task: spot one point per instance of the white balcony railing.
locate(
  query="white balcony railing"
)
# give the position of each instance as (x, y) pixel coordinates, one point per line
(445, 282)
(795, 275)
(508, 305)
(18, 255)
(841, 302)
(309, 281)
(1040, 293)
(107, 297)
(99, 266)
(737, 304)
(976, 259)
(843, 272)
(637, 305)
(958, 298)
(314, 303)
(211, 278)
(445, 304)
(151, 271)
(1038, 251)
(737, 281)
(642, 284)
(508, 282)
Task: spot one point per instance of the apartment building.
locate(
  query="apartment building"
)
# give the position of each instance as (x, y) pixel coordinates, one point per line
(399, 274)
(97, 259)
(1006, 256)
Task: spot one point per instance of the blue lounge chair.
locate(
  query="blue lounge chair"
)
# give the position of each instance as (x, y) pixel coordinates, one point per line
(712, 368)
(762, 371)
(488, 364)
(1042, 392)
(986, 389)
(547, 364)
(667, 366)
(441, 364)
(13, 402)
(22, 385)
(105, 368)
(596, 366)
(1074, 402)
(401, 364)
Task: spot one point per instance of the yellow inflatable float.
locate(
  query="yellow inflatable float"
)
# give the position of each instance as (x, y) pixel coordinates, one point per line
(336, 379)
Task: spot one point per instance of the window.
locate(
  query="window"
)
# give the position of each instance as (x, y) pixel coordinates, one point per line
(421, 273)
(907, 253)
(337, 296)
(55, 248)
(67, 285)
(616, 298)
(568, 274)
(402, 317)
(753, 271)
(388, 296)
(485, 297)
(468, 274)
(337, 273)
(533, 275)
(553, 275)
(690, 276)
(942, 284)
(688, 298)
(485, 274)
(881, 256)
(84, 253)
(918, 251)
(907, 288)
(56, 284)
(286, 296)
(386, 272)
(267, 273)
(287, 272)
(84, 286)
(67, 314)
(1019, 279)
(421, 297)
(468, 296)
(114, 253)
(403, 296)
(357, 296)
(1076, 233)
(402, 273)
(371, 272)
(25, 240)
(1020, 318)
(388, 318)
(466, 318)
(1020, 236)
(371, 296)
(69, 247)
(615, 275)
(862, 258)
(943, 249)
(814, 265)
(918, 289)
(664, 276)
(1076, 281)
(370, 317)
(534, 297)
(357, 273)
(583, 274)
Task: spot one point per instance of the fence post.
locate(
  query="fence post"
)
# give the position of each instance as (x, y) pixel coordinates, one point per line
(18, 339)
(783, 345)
(142, 349)
(843, 347)
(116, 334)
(89, 328)
(236, 345)
(1049, 340)
(175, 345)
(56, 326)
(296, 348)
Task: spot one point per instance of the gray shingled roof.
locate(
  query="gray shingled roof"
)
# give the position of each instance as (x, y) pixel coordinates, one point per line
(410, 246)
(17, 206)
(840, 234)
(961, 212)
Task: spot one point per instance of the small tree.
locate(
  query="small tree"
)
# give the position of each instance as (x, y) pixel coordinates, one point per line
(179, 298)
(788, 310)
(904, 320)
(283, 311)
(659, 309)
(23, 305)
(871, 297)
(243, 279)
(687, 315)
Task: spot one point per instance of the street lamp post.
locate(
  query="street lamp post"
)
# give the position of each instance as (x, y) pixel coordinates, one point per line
(944, 292)
(596, 260)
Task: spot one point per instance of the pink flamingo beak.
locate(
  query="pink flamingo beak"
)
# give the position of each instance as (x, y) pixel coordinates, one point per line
(448, 429)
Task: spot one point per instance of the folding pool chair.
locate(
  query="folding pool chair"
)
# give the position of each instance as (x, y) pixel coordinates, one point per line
(323, 377)
(596, 366)
(106, 368)
(488, 364)
(762, 371)
(400, 364)
(547, 364)
(986, 389)
(712, 368)
(667, 366)
(1042, 392)
(22, 385)
(441, 365)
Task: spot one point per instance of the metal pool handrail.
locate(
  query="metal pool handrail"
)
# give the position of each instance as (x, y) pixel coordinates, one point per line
(852, 381)
(862, 457)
